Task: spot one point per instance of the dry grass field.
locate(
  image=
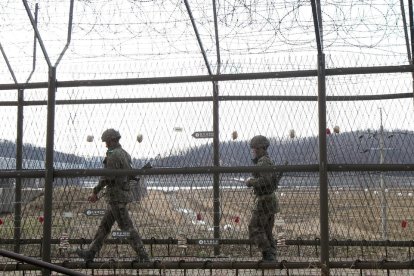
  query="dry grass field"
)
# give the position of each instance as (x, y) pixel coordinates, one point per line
(181, 214)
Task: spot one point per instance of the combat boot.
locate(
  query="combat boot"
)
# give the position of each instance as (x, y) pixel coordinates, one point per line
(142, 256)
(86, 255)
(268, 256)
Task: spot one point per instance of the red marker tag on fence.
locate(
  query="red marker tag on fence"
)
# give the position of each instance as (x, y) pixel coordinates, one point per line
(199, 217)
(404, 223)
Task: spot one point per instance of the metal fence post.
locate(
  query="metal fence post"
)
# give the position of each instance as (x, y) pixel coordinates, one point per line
(216, 141)
(19, 166)
(323, 174)
(48, 196)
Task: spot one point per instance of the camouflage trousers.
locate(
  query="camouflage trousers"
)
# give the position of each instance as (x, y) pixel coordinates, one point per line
(117, 212)
(260, 231)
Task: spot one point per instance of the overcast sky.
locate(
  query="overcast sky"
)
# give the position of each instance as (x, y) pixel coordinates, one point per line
(130, 39)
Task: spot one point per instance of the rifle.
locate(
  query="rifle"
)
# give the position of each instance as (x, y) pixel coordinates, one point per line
(146, 166)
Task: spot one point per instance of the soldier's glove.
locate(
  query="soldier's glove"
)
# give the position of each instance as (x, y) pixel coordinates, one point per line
(249, 182)
(134, 178)
(93, 198)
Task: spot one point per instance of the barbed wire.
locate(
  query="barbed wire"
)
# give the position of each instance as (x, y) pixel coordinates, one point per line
(161, 29)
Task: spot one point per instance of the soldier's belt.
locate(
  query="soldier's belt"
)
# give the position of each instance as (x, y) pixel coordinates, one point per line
(107, 181)
(266, 196)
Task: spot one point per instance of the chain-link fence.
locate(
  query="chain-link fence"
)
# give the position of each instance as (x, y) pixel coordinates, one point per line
(337, 109)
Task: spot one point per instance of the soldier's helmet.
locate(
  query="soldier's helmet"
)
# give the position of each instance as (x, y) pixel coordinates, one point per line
(110, 134)
(259, 141)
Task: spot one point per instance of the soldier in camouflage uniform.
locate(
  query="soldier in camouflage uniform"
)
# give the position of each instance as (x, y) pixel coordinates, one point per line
(118, 195)
(266, 203)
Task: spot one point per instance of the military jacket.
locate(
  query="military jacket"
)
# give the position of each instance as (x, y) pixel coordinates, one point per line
(117, 187)
(264, 188)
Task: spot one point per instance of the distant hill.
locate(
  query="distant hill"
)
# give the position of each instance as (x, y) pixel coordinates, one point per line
(31, 152)
(344, 148)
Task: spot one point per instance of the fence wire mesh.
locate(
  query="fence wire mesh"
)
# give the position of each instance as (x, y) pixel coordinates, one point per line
(200, 221)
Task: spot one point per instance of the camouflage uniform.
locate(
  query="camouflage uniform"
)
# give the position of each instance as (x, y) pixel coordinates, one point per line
(118, 195)
(266, 206)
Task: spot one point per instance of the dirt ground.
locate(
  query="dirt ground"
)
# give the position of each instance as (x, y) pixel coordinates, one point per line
(189, 214)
